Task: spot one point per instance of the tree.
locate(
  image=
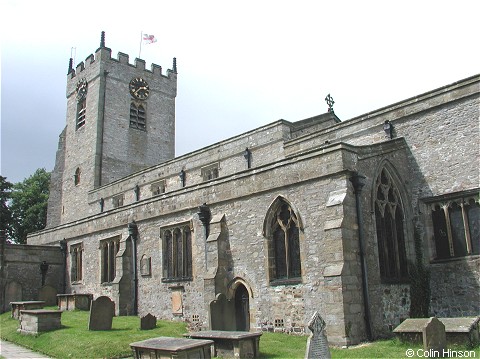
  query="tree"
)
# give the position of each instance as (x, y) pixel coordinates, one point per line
(5, 213)
(29, 205)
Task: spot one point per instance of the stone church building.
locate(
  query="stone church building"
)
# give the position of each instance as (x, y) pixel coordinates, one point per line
(259, 231)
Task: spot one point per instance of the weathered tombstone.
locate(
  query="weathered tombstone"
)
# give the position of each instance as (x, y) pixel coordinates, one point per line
(48, 294)
(434, 338)
(148, 322)
(317, 344)
(101, 314)
(13, 293)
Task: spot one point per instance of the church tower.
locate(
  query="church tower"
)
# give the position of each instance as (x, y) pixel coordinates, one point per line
(120, 119)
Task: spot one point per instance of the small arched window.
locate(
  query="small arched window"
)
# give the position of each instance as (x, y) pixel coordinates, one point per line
(283, 238)
(76, 177)
(390, 226)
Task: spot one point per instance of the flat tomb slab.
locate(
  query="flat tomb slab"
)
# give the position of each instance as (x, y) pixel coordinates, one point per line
(80, 301)
(25, 305)
(167, 347)
(36, 321)
(460, 330)
(232, 344)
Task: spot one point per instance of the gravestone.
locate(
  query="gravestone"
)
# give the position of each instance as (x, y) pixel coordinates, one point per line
(102, 311)
(434, 337)
(48, 294)
(317, 344)
(13, 293)
(148, 322)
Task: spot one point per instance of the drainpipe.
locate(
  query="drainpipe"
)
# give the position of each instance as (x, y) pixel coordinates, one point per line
(358, 182)
(133, 232)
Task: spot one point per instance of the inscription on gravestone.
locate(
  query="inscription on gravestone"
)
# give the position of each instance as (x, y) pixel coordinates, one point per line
(317, 344)
(434, 337)
(148, 322)
(101, 314)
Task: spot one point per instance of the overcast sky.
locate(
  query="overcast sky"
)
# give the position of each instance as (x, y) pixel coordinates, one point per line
(241, 64)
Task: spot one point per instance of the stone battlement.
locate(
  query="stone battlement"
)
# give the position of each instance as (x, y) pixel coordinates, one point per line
(104, 53)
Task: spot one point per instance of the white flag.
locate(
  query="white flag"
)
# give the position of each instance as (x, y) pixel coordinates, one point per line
(149, 39)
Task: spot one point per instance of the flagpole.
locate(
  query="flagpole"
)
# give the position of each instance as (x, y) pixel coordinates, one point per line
(140, 51)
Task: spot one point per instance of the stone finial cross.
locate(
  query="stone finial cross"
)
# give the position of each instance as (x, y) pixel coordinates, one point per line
(330, 102)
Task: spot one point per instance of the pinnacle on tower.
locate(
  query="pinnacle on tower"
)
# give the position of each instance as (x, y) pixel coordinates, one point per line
(70, 65)
(102, 40)
(174, 65)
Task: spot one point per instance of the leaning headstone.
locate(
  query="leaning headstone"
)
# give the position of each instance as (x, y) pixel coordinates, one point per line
(434, 337)
(148, 322)
(102, 311)
(317, 344)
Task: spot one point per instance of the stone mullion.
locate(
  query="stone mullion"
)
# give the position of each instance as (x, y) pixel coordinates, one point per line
(80, 264)
(287, 251)
(466, 227)
(449, 229)
(174, 253)
(395, 244)
(109, 262)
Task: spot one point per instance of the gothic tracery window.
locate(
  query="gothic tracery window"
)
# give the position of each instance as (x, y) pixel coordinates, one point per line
(389, 217)
(177, 253)
(284, 244)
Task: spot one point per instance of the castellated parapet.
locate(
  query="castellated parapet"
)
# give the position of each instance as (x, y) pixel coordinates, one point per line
(104, 53)
(109, 144)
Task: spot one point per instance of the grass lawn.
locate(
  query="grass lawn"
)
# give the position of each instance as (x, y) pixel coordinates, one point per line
(75, 341)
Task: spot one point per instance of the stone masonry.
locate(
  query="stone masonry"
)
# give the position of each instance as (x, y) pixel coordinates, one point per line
(307, 165)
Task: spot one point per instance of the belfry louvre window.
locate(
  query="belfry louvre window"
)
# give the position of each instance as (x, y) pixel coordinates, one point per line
(284, 244)
(210, 172)
(81, 109)
(389, 218)
(177, 253)
(109, 249)
(456, 226)
(137, 116)
(76, 258)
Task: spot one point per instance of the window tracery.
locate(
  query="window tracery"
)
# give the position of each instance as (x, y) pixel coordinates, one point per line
(284, 245)
(390, 228)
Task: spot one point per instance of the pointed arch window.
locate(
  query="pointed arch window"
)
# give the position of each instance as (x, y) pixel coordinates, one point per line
(137, 116)
(390, 226)
(283, 238)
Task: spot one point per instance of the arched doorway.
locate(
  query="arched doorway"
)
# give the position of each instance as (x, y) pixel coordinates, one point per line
(242, 309)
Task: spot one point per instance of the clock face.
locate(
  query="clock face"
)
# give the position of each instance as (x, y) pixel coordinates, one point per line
(82, 86)
(139, 88)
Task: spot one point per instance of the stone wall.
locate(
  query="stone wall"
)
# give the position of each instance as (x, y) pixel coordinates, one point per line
(455, 287)
(21, 276)
(313, 176)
